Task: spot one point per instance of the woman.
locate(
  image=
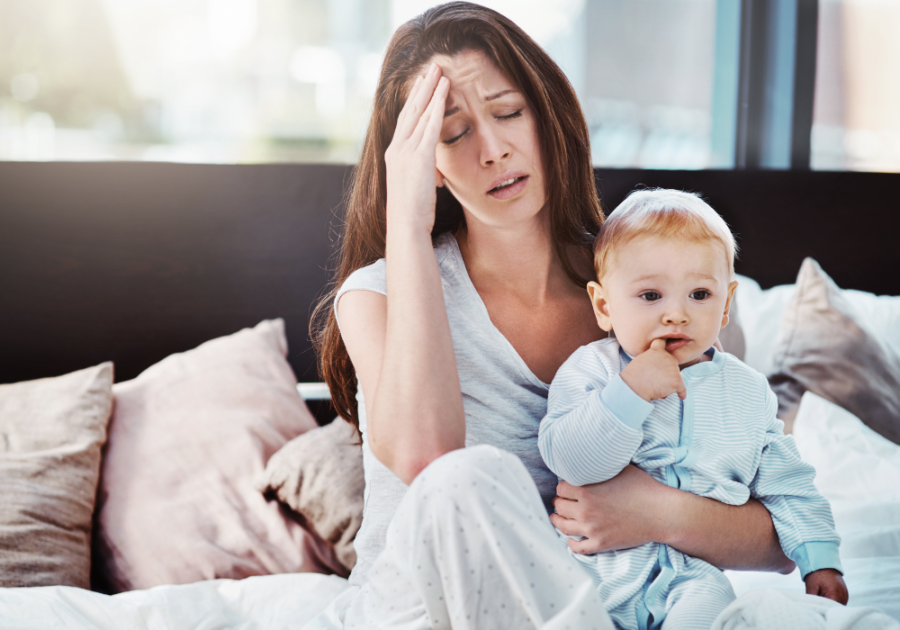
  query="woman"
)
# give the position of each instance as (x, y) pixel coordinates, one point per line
(460, 291)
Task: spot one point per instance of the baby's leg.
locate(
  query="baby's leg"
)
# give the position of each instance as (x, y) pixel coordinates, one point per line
(471, 547)
(696, 600)
(621, 579)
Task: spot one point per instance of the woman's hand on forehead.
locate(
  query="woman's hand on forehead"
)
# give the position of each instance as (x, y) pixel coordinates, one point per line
(410, 158)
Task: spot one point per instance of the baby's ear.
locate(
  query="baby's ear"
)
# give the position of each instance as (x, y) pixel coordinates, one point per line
(601, 305)
(731, 287)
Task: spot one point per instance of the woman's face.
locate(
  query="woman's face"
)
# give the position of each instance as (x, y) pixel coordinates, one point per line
(489, 154)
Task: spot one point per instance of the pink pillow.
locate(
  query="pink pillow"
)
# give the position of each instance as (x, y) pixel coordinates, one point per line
(188, 437)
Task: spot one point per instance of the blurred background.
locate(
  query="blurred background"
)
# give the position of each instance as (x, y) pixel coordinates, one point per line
(668, 84)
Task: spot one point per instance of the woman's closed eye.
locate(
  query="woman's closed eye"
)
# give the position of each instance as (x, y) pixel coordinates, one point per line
(515, 114)
(454, 139)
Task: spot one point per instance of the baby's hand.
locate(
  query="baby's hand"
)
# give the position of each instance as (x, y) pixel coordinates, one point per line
(654, 374)
(827, 583)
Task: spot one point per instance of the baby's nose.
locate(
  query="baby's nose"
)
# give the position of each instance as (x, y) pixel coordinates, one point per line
(676, 317)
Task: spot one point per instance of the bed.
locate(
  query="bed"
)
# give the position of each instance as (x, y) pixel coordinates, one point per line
(155, 268)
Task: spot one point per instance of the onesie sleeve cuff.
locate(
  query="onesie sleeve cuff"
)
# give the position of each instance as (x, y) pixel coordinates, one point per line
(627, 406)
(813, 556)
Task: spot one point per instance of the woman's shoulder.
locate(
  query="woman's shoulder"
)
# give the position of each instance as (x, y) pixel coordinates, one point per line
(373, 277)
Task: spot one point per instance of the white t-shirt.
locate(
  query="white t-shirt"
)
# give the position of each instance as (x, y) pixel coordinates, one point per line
(503, 400)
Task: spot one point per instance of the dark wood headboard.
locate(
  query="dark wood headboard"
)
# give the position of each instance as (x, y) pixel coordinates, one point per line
(133, 261)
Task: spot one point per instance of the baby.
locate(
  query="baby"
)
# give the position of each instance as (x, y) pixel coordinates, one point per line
(659, 394)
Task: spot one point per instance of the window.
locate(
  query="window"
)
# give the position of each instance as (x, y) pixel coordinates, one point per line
(661, 81)
(856, 117)
(291, 80)
(648, 82)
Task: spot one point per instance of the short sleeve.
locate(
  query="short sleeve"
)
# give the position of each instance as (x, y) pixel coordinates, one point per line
(369, 278)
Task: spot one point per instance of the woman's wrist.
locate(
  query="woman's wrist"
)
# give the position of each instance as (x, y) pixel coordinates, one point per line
(668, 525)
(401, 220)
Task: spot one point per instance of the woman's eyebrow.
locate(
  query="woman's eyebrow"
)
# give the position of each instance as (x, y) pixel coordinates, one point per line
(491, 97)
(499, 94)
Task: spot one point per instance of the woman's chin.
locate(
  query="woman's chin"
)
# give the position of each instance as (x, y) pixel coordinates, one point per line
(506, 215)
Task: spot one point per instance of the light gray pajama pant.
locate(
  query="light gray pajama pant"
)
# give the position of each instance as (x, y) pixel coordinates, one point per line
(471, 547)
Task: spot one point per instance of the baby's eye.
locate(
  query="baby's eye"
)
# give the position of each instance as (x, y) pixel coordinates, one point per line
(650, 296)
(700, 294)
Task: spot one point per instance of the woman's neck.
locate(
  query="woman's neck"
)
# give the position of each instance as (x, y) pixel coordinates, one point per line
(518, 259)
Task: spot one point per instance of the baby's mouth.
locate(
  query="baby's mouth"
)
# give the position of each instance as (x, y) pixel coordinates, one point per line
(674, 343)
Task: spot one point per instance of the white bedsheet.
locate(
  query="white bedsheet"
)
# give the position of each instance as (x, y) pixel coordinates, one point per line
(859, 471)
(272, 602)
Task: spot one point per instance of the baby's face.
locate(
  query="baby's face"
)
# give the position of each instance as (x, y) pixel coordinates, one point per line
(660, 288)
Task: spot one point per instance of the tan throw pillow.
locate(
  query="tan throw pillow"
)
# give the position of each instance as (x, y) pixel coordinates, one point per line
(320, 475)
(824, 346)
(189, 436)
(51, 433)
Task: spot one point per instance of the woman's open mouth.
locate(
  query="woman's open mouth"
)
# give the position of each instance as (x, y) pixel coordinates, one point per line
(509, 188)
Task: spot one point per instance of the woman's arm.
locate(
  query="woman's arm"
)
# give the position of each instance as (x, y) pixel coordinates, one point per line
(633, 508)
(400, 345)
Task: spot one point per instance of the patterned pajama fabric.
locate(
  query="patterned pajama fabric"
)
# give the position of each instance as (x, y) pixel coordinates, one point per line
(471, 547)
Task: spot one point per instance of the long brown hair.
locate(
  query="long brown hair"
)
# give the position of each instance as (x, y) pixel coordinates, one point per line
(572, 202)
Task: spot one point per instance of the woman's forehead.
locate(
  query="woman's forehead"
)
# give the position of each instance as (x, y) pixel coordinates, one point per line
(473, 71)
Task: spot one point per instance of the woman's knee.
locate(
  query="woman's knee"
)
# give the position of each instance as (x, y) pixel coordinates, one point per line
(475, 473)
(470, 465)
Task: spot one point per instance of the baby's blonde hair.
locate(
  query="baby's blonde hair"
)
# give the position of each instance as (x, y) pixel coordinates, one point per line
(664, 213)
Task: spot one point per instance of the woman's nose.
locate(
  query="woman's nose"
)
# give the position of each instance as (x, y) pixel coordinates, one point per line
(493, 147)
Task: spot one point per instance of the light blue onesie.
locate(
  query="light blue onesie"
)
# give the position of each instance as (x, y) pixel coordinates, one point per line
(723, 442)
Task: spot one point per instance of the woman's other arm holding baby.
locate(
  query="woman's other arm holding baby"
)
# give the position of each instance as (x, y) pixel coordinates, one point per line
(632, 509)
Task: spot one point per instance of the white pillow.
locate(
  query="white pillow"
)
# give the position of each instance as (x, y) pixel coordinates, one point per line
(759, 316)
(857, 470)
(854, 465)
(881, 313)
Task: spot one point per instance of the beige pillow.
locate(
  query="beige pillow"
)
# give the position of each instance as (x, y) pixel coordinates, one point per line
(320, 475)
(824, 346)
(189, 436)
(51, 433)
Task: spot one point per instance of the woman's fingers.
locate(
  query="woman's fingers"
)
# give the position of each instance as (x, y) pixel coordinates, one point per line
(584, 547)
(569, 527)
(564, 507)
(408, 105)
(428, 129)
(566, 490)
(416, 103)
